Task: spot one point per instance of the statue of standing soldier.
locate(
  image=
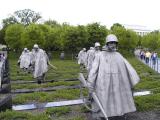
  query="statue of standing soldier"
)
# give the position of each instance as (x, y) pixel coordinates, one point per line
(112, 79)
(40, 62)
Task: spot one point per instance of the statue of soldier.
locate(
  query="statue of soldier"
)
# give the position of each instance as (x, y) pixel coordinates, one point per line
(82, 58)
(40, 62)
(24, 60)
(112, 79)
(91, 55)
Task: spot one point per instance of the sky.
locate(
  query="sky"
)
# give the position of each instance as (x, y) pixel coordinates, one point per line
(75, 12)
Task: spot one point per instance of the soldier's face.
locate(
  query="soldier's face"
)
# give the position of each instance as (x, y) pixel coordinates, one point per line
(97, 48)
(112, 46)
(36, 49)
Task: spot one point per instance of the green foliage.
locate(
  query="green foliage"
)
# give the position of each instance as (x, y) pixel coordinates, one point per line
(52, 23)
(2, 35)
(53, 39)
(127, 39)
(13, 36)
(54, 36)
(151, 40)
(33, 34)
(97, 33)
(115, 25)
(75, 37)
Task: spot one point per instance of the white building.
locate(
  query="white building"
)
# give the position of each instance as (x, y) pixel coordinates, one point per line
(140, 30)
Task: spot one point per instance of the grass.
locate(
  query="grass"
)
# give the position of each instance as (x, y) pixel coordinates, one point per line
(66, 69)
(44, 85)
(150, 80)
(58, 111)
(20, 115)
(146, 103)
(16, 115)
(72, 113)
(64, 94)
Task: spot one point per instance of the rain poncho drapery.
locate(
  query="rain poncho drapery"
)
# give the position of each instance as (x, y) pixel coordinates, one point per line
(2, 68)
(112, 78)
(40, 60)
(25, 60)
(90, 57)
(82, 57)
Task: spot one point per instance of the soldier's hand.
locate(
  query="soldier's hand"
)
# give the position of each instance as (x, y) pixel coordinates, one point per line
(90, 98)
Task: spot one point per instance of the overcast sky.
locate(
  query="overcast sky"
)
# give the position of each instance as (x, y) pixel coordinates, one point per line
(107, 12)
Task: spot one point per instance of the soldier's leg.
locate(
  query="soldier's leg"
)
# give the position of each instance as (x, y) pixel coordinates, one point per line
(43, 78)
(124, 117)
(81, 67)
(39, 80)
(96, 113)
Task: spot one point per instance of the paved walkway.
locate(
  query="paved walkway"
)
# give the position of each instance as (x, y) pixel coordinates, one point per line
(155, 67)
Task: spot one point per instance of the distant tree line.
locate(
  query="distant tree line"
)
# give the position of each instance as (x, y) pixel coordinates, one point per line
(22, 29)
(151, 41)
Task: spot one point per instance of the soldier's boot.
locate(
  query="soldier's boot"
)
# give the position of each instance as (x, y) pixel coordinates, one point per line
(39, 80)
(102, 118)
(118, 118)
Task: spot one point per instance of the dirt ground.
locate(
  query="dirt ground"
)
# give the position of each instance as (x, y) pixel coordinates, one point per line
(151, 115)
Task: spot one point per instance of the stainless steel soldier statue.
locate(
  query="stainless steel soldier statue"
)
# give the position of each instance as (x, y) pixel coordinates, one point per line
(112, 79)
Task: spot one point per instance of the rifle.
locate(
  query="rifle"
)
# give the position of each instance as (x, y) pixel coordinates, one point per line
(52, 65)
(94, 96)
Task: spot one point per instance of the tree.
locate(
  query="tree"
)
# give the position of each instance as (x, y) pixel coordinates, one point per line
(127, 39)
(151, 40)
(13, 36)
(2, 35)
(97, 33)
(24, 17)
(52, 23)
(76, 37)
(51, 37)
(9, 21)
(33, 34)
(116, 25)
(132, 40)
(53, 42)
